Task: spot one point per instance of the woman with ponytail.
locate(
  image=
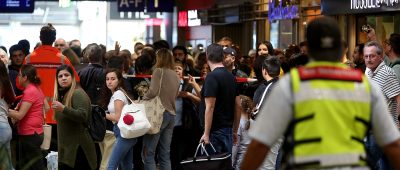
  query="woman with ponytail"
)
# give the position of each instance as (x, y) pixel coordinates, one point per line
(29, 117)
(76, 149)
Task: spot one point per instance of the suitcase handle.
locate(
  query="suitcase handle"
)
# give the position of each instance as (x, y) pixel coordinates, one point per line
(203, 149)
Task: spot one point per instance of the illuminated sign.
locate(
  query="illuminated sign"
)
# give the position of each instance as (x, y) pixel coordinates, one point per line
(370, 4)
(193, 19)
(145, 5)
(282, 9)
(330, 7)
(17, 6)
(182, 19)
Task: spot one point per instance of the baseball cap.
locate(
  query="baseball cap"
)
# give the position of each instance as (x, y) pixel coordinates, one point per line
(229, 50)
(323, 34)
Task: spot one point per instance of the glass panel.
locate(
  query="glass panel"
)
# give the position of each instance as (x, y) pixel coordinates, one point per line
(384, 25)
(286, 31)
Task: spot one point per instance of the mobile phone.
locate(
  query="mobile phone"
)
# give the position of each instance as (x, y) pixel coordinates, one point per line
(366, 28)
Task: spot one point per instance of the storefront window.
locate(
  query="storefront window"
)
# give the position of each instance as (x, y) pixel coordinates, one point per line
(384, 25)
(283, 33)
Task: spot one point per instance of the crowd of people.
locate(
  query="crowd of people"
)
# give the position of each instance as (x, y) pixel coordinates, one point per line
(59, 81)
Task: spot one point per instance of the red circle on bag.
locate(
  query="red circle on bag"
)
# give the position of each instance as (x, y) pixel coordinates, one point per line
(128, 119)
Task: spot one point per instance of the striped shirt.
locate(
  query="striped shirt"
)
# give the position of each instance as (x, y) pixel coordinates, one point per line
(385, 77)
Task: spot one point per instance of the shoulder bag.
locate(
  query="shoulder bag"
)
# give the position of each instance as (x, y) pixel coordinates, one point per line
(133, 121)
(154, 110)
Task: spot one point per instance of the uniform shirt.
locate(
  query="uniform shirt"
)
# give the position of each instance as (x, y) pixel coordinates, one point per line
(276, 114)
(46, 59)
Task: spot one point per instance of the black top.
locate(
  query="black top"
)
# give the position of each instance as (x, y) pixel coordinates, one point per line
(219, 83)
(260, 90)
(92, 79)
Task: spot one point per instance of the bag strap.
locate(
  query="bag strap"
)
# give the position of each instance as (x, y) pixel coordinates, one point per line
(263, 96)
(203, 149)
(127, 96)
(159, 89)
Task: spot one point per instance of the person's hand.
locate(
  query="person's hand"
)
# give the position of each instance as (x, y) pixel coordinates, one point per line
(183, 94)
(235, 139)
(191, 80)
(117, 47)
(205, 139)
(56, 105)
(371, 36)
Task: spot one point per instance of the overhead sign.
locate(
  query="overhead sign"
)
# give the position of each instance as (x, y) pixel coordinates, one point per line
(283, 9)
(145, 5)
(160, 6)
(131, 5)
(17, 6)
(335, 7)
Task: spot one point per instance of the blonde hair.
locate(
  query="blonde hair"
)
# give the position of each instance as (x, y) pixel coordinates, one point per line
(165, 59)
(68, 96)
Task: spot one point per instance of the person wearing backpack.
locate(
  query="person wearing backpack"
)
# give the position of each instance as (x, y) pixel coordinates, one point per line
(76, 149)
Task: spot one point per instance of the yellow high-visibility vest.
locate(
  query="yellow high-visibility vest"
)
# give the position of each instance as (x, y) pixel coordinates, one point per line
(332, 114)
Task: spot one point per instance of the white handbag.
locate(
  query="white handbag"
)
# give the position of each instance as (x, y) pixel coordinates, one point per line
(133, 121)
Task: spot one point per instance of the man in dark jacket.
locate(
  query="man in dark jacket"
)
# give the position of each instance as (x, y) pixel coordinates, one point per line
(92, 76)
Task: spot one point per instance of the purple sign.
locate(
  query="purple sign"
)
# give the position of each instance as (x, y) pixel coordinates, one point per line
(284, 10)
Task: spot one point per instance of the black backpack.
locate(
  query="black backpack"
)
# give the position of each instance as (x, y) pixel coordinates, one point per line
(97, 123)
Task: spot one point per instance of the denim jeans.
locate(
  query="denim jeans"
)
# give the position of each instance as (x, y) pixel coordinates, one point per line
(122, 152)
(376, 157)
(221, 139)
(5, 138)
(163, 138)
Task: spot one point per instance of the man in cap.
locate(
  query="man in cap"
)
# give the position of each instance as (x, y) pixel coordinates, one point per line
(326, 109)
(230, 55)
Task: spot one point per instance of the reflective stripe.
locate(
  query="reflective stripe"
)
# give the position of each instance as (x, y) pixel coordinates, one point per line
(309, 93)
(46, 65)
(331, 160)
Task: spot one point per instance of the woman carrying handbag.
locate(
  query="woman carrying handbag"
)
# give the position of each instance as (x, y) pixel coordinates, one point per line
(122, 150)
(165, 85)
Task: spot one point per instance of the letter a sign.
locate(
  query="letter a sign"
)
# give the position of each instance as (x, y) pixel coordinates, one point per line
(131, 5)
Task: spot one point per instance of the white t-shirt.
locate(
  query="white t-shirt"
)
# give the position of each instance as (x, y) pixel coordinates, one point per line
(118, 95)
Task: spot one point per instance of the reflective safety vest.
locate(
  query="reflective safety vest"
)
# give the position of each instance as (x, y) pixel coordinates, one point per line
(332, 114)
(46, 59)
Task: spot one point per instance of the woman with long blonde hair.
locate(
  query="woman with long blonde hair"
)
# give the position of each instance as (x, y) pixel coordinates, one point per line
(165, 84)
(76, 149)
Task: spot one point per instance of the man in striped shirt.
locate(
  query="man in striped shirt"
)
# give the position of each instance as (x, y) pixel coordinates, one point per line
(385, 77)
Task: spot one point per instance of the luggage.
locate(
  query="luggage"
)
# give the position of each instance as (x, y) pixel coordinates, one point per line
(222, 161)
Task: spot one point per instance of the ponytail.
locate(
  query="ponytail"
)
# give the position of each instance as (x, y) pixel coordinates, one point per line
(30, 72)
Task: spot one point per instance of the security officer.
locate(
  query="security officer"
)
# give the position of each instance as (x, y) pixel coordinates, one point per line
(326, 109)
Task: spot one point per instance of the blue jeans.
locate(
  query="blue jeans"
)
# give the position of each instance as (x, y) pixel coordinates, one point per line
(5, 138)
(122, 152)
(163, 138)
(221, 139)
(376, 156)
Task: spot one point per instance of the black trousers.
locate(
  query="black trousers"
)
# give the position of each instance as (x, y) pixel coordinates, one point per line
(81, 162)
(30, 154)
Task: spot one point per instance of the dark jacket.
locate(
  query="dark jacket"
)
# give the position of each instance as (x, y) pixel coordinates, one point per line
(72, 131)
(92, 80)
